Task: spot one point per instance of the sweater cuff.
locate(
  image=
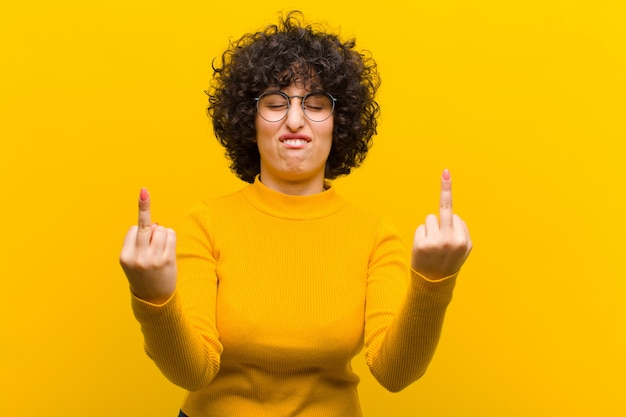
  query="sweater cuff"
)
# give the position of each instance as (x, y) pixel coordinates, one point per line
(439, 291)
(136, 299)
(415, 273)
(148, 313)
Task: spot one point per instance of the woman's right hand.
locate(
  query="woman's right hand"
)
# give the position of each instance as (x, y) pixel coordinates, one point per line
(148, 257)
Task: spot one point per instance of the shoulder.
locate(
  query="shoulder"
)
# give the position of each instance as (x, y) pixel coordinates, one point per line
(364, 212)
(203, 211)
(376, 223)
(209, 205)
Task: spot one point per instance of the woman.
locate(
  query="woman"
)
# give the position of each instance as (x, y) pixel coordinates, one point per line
(275, 288)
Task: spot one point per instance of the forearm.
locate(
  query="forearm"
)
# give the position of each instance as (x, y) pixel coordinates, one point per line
(410, 341)
(188, 357)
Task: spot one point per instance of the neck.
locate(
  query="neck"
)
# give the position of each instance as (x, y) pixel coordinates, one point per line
(313, 186)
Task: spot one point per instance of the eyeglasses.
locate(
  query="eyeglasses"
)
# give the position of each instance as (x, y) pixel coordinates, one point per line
(273, 106)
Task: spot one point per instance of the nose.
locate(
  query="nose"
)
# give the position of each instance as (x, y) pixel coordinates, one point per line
(295, 114)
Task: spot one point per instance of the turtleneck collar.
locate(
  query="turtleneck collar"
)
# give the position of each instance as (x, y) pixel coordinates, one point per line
(293, 207)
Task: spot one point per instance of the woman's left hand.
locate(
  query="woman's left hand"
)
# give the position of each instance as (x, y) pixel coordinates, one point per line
(442, 245)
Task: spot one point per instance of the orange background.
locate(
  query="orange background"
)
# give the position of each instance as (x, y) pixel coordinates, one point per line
(522, 100)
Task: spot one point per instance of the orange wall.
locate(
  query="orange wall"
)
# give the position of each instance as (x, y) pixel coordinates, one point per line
(522, 100)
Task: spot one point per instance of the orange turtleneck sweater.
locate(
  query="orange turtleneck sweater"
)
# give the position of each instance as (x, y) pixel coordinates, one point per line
(276, 294)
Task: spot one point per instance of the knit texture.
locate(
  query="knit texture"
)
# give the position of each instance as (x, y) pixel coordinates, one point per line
(276, 294)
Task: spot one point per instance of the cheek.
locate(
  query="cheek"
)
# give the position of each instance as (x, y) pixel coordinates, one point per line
(263, 129)
(324, 129)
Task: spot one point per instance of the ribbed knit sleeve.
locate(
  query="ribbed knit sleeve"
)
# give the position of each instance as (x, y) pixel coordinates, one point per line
(184, 344)
(403, 320)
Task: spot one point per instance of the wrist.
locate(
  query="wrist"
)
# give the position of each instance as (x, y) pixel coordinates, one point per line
(154, 299)
(434, 278)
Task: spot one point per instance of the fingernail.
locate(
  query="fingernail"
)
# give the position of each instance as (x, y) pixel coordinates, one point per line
(446, 175)
(143, 195)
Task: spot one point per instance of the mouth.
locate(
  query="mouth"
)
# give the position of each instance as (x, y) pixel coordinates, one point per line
(294, 141)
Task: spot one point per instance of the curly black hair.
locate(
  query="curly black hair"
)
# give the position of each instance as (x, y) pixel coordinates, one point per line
(278, 56)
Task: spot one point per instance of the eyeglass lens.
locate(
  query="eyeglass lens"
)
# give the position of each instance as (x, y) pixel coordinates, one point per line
(274, 106)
